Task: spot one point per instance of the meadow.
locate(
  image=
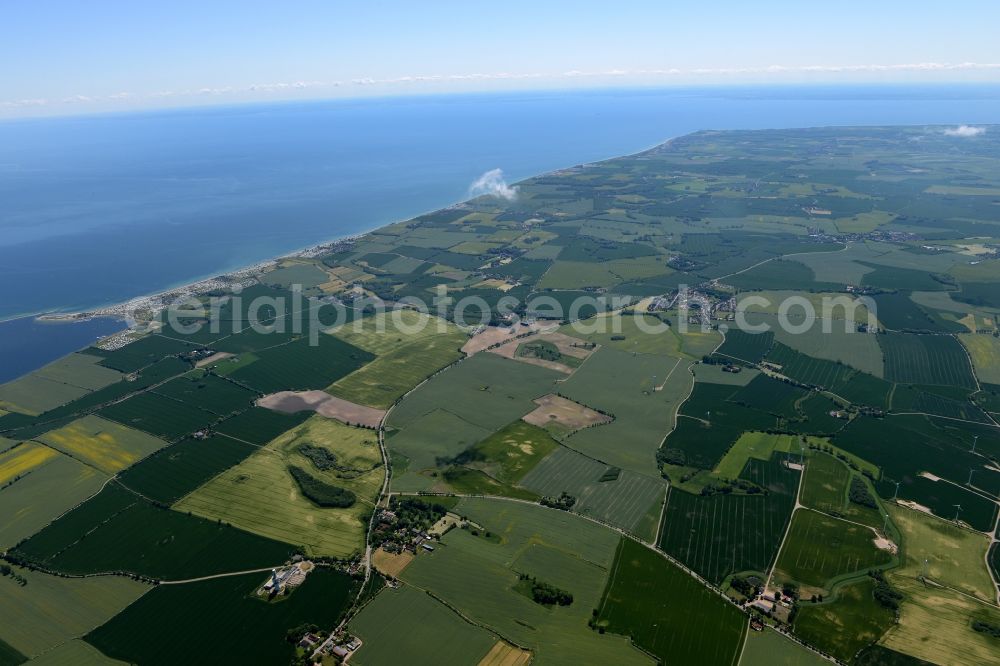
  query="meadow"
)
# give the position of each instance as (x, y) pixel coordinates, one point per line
(935, 625)
(386, 379)
(66, 607)
(204, 612)
(985, 353)
(820, 549)
(940, 550)
(667, 612)
(259, 494)
(408, 621)
(724, 534)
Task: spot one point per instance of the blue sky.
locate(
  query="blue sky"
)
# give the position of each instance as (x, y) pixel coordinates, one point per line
(81, 57)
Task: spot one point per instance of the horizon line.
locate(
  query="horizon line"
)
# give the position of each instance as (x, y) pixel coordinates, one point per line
(211, 98)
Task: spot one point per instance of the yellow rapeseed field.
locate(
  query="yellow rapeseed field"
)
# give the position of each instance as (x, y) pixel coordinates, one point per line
(22, 459)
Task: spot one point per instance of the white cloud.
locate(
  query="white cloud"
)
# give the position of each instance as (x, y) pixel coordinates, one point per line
(964, 131)
(492, 183)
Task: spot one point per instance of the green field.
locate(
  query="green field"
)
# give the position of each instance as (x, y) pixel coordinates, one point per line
(456, 409)
(837, 344)
(770, 648)
(724, 534)
(80, 370)
(213, 394)
(905, 446)
(844, 625)
(179, 469)
(621, 384)
(926, 359)
(117, 531)
(259, 494)
(478, 576)
(77, 652)
(221, 621)
(304, 275)
(631, 501)
(33, 395)
(757, 445)
(820, 549)
(407, 621)
(382, 333)
(824, 374)
(512, 452)
(643, 333)
(386, 379)
(50, 610)
(300, 366)
(746, 346)
(160, 416)
(259, 425)
(825, 484)
(667, 612)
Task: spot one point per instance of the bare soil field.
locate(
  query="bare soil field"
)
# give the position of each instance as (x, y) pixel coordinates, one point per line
(492, 335)
(391, 564)
(569, 414)
(217, 356)
(323, 404)
(505, 654)
(567, 346)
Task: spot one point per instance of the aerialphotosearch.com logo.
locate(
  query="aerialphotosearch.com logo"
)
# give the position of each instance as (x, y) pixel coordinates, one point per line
(686, 310)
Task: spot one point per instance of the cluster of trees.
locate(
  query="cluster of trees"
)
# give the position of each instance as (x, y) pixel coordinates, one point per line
(884, 593)
(565, 501)
(320, 492)
(6, 570)
(728, 487)
(546, 594)
(986, 628)
(744, 586)
(545, 351)
(411, 514)
(325, 460)
(859, 493)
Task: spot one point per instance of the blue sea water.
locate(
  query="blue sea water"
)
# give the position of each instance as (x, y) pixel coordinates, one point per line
(99, 209)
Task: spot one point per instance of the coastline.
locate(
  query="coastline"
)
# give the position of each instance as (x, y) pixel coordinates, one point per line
(155, 302)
